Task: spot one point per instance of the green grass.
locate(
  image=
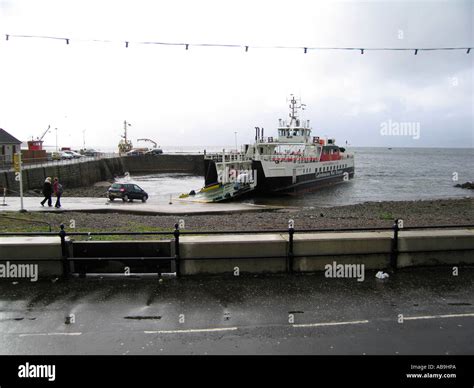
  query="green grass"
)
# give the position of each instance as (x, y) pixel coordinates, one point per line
(386, 216)
(28, 223)
(22, 223)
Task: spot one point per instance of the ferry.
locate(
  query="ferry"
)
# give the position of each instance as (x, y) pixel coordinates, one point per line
(291, 162)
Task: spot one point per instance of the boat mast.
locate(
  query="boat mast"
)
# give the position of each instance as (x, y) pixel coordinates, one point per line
(295, 105)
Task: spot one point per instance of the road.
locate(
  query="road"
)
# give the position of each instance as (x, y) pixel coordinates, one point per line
(300, 314)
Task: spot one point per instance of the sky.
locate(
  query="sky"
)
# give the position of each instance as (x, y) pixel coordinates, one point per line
(202, 96)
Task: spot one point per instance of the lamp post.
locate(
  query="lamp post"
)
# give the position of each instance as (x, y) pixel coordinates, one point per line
(235, 133)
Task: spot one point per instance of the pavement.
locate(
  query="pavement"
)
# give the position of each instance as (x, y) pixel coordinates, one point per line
(86, 204)
(416, 311)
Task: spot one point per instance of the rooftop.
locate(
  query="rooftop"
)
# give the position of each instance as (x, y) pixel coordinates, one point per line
(6, 138)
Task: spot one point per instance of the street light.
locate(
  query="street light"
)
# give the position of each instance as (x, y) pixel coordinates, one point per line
(235, 133)
(83, 139)
(56, 139)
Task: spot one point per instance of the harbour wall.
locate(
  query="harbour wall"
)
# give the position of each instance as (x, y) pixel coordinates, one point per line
(251, 254)
(71, 175)
(83, 174)
(177, 163)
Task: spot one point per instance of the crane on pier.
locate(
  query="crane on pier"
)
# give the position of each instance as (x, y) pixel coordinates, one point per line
(155, 144)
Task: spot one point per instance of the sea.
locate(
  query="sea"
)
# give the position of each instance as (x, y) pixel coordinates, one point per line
(381, 174)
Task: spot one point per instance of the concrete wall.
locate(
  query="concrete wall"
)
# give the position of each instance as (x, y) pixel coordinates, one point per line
(313, 251)
(369, 248)
(33, 250)
(225, 247)
(87, 173)
(262, 253)
(440, 242)
(192, 164)
(70, 175)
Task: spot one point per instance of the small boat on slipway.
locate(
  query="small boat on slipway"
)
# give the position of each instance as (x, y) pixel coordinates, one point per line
(294, 161)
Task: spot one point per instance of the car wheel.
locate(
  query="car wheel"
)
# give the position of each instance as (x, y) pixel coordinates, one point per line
(144, 198)
(125, 198)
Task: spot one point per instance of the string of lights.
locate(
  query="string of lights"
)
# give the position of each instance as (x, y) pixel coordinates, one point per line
(305, 50)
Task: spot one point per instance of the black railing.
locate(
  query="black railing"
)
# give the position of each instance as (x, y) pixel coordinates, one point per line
(176, 233)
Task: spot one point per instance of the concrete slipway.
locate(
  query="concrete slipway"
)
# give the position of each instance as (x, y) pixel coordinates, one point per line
(32, 204)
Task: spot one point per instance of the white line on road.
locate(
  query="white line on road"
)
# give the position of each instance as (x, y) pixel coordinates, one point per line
(190, 330)
(329, 323)
(44, 334)
(439, 316)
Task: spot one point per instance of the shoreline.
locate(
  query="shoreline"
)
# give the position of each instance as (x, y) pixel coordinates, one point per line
(367, 214)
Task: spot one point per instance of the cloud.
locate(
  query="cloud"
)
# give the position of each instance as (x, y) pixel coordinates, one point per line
(201, 96)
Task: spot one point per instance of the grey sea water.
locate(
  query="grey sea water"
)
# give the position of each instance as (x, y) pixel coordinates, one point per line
(382, 174)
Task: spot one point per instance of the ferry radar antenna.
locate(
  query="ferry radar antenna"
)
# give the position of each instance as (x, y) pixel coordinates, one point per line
(295, 104)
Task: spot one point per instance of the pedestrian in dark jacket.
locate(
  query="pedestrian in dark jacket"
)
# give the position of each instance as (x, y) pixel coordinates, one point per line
(47, 192)
(58, 191)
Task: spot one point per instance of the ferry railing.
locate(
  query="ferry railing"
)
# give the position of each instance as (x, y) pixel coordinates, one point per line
(177, 259)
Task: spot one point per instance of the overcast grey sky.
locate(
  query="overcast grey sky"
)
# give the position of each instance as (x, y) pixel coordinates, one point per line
(203, 95)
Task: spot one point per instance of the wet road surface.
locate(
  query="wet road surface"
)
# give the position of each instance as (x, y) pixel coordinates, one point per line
(415, 311)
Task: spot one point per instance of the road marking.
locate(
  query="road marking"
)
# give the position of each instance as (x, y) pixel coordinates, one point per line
(329, 323)
(44, 334)
(439, 316)
(190, 330)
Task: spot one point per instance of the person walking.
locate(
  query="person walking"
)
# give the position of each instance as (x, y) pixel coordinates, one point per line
(47, 192)
(58, 192)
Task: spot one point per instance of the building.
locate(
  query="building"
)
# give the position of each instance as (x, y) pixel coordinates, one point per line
(9, 145)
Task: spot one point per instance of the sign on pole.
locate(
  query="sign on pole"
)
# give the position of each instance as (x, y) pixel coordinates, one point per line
(16, 161)
(18, 176)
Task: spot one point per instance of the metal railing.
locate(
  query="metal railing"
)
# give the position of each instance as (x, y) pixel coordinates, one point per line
(290, 254)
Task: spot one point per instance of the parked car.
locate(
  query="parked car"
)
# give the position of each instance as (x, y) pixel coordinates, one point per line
(134, 153)
(155, 151)
(127, 192)
(137, 152)
(92, 152)
(61, 155)
(55, 156)
(74, 154)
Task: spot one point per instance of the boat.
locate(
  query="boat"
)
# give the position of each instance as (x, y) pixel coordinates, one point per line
(291, 162)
